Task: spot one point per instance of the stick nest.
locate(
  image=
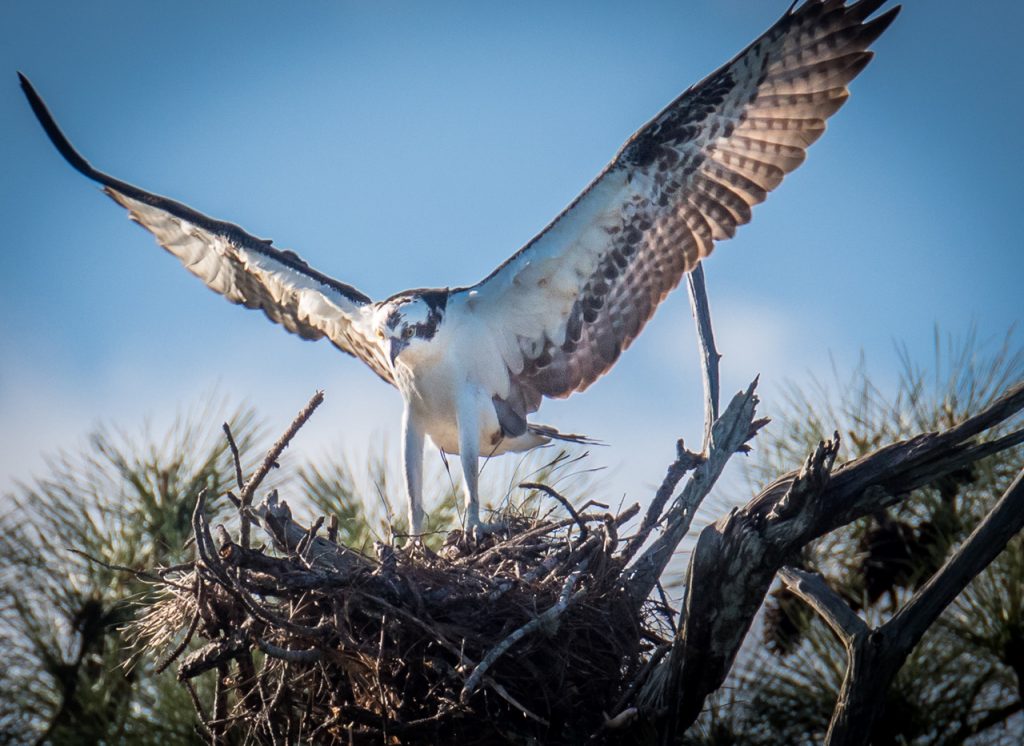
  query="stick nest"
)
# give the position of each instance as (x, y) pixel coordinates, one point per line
(525, 636)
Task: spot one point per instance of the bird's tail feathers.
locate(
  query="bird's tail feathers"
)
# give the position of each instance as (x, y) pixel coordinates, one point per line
(546, 431)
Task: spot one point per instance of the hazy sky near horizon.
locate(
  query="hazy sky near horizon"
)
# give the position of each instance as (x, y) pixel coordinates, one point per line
(403, 144)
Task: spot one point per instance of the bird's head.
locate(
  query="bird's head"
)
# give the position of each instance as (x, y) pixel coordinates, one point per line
(407, 322)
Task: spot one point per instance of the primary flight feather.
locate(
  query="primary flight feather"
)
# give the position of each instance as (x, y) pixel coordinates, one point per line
(472, 363)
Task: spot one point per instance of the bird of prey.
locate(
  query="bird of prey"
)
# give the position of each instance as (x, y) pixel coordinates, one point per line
(473, 363)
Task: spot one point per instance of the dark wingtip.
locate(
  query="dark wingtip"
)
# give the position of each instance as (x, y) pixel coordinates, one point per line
(57, 137)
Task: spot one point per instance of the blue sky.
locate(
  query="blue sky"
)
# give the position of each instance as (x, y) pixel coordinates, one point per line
(399, 145)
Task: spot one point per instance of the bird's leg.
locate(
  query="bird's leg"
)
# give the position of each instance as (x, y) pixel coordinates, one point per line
(468, 420)
(469, 410)
(412, 465)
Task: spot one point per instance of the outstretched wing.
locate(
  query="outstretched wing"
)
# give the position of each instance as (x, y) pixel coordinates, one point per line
(244, 269)
(565, 306)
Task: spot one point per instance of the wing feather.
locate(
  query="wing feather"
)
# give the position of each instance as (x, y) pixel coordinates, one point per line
(244, 269)
(576, 295)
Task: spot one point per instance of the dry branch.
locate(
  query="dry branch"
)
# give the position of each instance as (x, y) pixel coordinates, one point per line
(729, 434)
(736, 559)
(709, 356)
(248, 490)
(876, 655)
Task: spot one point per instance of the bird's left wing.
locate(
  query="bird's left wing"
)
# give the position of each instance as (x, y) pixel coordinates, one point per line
(244, 269)
(563, 308)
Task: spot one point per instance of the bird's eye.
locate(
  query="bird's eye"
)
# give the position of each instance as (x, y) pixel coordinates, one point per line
(408, 332)
(380, 334)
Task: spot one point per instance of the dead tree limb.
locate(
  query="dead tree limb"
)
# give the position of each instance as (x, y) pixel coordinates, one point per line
(709, 356)
(736, 559)
(728, 435)
(876, 655)
(817, 594)
(686, 460)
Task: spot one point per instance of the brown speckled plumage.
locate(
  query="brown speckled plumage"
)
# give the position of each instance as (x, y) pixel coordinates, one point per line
(692, 175)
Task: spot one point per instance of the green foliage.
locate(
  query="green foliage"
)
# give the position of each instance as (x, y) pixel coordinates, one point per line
(123, 502)
(966, 677)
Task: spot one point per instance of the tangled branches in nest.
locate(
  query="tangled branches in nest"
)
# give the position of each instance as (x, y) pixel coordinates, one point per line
(528, 634)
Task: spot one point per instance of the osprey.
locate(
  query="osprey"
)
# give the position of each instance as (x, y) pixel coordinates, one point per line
(472, 363)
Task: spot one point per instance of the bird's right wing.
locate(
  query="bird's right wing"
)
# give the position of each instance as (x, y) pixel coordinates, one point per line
(563, 308)
(244, 269)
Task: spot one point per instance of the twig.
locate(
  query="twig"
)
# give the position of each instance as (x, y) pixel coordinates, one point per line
(670, 613)
(548, 619)
(685, 461)
(270, 461)
(291, 656)
(220, 703)
(203, 718)
(307, 540)
(550, 492)
(235, 456)
(142, 575)
(706, 345)
(181, 646)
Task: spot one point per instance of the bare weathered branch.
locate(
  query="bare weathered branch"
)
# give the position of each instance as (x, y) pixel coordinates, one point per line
(701, 310)
(987, 540)
(877, 655)
(685, 461)
(270, 461)
(730, 432)
(289, 536)
(817, 594)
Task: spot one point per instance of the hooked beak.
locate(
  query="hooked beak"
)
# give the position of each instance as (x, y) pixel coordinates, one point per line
(395, 347)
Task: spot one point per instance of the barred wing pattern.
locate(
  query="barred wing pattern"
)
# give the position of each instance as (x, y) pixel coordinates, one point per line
(244, 269)
(566, 305)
